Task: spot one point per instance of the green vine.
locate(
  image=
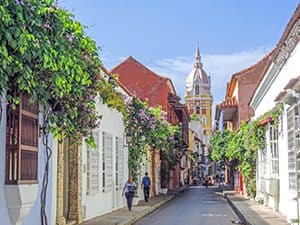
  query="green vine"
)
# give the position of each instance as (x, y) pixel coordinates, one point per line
(147, 128)
(243, 144)
(44, 52)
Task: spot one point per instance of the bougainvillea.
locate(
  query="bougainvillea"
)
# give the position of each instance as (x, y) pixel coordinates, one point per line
(45, 53)
(147, 128)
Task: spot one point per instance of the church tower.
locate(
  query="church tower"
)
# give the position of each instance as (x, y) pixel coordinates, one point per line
(198, 98)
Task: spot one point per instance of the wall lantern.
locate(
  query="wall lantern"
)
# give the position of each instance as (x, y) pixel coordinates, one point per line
(127, 139)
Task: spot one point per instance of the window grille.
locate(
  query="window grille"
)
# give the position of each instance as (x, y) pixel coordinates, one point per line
(273, 140)
(293, 146)
(22, 142)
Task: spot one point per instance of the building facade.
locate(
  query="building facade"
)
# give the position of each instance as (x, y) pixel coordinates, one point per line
(235, 108)
(198, 97)
(277, 177)
(22, 164)
(155, 89)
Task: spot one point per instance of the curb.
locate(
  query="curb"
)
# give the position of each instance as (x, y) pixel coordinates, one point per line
(237, 211)
(145, 212)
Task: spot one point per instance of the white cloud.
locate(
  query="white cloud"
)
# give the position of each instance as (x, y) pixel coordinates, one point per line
(219, 66)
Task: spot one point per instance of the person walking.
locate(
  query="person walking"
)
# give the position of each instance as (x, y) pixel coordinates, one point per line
(146, 183)
(129, 189)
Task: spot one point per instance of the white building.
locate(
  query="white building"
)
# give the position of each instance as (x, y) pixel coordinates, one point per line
(278, 176)
(105, 169)
(22, 161)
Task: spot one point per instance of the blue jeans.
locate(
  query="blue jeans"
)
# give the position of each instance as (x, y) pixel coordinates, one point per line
(129, 197)
(146, 193)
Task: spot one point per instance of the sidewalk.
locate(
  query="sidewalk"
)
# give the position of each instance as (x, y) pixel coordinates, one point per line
(124, 217)
(251, 212)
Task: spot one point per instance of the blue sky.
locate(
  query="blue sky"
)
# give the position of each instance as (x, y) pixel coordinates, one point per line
(163, 34)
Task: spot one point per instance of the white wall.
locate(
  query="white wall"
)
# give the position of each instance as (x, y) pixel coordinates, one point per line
(4, 211)
(33, 216)
(290, 70)
(101, 202)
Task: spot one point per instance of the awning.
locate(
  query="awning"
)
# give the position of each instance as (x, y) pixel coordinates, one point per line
(229, 107)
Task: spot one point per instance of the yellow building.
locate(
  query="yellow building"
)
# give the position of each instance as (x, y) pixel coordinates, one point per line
(198, 97)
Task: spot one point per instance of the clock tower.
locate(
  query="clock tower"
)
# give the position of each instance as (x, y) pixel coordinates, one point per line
(198, 97)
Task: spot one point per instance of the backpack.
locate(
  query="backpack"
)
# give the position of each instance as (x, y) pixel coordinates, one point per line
(146, 181)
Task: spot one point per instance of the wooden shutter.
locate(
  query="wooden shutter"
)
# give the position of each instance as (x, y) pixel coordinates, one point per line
(22, 142)
(93, 182)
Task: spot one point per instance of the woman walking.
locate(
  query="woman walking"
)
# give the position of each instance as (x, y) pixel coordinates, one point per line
(129, 189)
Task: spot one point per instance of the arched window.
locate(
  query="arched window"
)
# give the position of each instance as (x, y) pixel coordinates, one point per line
(197, 90)
(197, 110)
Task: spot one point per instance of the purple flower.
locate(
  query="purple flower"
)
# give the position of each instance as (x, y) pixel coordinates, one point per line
(47, 25)
(20, 2)
(70, 37)
(85, 57)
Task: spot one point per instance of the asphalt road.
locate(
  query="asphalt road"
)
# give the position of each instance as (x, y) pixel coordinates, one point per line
(197, 206)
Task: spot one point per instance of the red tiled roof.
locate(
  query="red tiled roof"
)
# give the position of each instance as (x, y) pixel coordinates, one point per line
(292, 83)
(258, 68)
(119, 83)
(144, 83)
(295, 17)
(229, 103)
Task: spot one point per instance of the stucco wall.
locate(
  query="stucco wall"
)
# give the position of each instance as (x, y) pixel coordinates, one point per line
(33, 216)
(290, 70)
(102, 202)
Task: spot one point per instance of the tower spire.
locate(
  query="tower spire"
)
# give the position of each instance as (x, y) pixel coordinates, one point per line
(197, 63)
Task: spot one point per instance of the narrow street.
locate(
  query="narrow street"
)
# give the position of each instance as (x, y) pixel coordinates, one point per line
(197, 206)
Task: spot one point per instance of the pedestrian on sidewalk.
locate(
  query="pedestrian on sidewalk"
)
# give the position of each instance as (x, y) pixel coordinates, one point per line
(206, 181)
(146, 183)
(129, 189)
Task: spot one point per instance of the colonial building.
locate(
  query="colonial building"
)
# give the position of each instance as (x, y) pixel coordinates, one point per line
(158, 91)
(235, 108)
(22, 164)
(198, 97)
(278, 183)
(88, 177)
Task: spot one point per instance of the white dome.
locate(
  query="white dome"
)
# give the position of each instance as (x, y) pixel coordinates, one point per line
(197, 73)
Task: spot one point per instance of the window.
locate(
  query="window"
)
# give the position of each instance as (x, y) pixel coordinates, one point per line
(197, 110)
(197, 90)
(273, 139)
(293, 147)
(93, 181)
(119, 162)
(22, 142)
(106, 161)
